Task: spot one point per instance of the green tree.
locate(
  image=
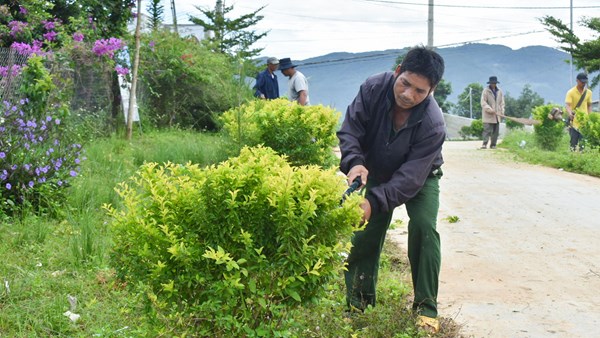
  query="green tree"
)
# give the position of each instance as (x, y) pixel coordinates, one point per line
(156, 11)
(109, 18)
(104, 18)
(441, 93)
(231, 36)
(189, 84)
(523, 106)
(469, 100)
(586, 54)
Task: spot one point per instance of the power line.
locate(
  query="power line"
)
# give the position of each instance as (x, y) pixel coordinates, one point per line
(478, 7)
(392, 52)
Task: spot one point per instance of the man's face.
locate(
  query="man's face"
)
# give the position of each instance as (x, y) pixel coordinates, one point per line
(287, 72)
(273, 68)
(410, 89)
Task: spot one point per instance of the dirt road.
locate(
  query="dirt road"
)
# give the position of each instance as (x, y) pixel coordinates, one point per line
(524, 259)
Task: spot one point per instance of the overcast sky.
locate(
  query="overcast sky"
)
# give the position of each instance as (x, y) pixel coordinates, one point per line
(306, 28)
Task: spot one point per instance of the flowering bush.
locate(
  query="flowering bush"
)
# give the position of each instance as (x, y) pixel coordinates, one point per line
(36, 163)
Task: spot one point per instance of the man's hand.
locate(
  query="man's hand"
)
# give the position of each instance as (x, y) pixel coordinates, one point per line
(366, 206)
(356, 171)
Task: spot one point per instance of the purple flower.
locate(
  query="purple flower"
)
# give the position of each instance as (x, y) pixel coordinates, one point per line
(13, 71)
(73, 173)
(107, 46)
(2, 154)
(57, 121)
(48, 25)
(22, 10)
(31, 184)
(8, 186)
(25, 49)
(122, 70)
(50, 36)
(16, 27)
(78, 37)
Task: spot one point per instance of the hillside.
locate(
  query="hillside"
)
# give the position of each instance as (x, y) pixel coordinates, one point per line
(334, 78)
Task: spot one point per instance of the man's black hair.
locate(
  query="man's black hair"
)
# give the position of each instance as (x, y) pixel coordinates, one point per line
(424, 61)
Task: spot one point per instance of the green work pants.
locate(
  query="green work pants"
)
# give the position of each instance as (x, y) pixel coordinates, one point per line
(423, 252)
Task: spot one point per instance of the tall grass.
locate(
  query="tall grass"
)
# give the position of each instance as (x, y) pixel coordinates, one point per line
(44, 261)
(523, 146)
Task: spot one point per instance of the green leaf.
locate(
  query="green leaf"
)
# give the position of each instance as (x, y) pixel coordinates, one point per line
(294, 295)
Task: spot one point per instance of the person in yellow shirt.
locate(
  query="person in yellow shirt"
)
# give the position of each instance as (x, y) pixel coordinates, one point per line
(578, 98)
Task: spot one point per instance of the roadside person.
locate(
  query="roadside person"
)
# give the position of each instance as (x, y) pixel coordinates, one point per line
(266, 84)
(391, 138)
(578, 98)
(297, 83)
(492, 104)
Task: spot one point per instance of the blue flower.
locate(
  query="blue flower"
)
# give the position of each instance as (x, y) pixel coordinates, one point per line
(2, 154)
(8, 186)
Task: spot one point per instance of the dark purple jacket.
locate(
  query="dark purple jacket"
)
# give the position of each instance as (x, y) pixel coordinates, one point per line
(400, 162)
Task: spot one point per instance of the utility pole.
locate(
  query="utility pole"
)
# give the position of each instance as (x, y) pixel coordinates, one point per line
(174, 12)
(134, 76)
(430, 25)
(471, 102)
(571, 54)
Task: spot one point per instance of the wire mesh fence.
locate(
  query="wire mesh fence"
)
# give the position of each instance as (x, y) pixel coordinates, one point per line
(90, 83)
(11, 64)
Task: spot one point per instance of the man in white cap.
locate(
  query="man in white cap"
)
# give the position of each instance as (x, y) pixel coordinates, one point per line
(578, 98)
(266, 85)
(297, 83)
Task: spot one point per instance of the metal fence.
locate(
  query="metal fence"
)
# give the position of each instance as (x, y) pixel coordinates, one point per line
(89, 83)
(11, 64)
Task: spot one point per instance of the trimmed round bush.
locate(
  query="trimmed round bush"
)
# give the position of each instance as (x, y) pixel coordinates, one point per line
(305, 134)
(227, 250)
(549, 132)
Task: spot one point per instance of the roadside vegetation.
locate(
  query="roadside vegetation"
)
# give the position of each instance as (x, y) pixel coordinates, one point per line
(203, 224)
(523, 147)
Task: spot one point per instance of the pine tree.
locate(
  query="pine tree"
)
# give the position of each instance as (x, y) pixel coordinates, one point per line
(586, 54)
(156, 12)
(232, 37)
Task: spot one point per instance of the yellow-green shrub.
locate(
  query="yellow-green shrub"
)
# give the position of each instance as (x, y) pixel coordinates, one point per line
(589, 128)
(229, 249)
(549, 132)
(306, 134)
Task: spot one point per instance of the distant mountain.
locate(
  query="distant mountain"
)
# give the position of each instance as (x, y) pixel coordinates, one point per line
(334, 78)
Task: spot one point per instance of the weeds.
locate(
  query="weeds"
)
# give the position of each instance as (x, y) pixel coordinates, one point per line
(44, 261)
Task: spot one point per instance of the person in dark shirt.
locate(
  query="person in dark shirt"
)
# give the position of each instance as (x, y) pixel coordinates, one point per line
(391, 138)
(266, 85)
